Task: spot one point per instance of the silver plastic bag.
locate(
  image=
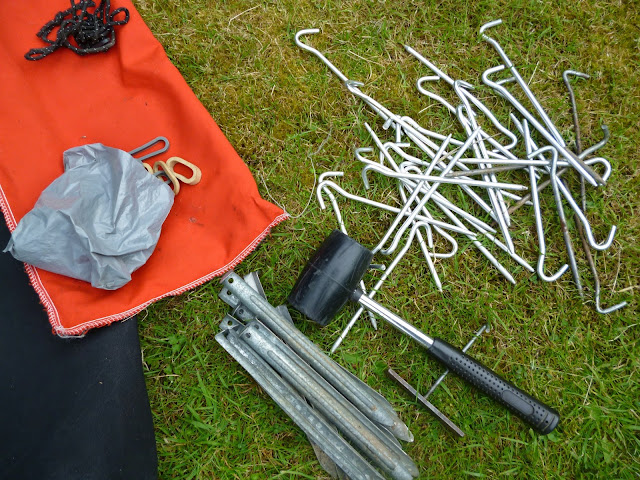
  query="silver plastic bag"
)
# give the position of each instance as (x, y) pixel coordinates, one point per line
(99, 221)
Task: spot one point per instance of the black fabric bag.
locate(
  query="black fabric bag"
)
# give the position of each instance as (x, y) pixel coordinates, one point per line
(70, 408)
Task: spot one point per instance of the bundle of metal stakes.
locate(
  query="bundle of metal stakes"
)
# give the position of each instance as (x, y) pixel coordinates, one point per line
(531, 158)
(352, 428)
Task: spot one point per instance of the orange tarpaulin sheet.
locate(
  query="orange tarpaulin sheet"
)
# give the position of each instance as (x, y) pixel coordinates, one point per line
(122, 99)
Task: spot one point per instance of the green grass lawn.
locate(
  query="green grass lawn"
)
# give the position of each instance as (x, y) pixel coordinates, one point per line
(289, 118)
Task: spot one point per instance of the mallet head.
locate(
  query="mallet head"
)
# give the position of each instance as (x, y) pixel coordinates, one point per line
(330, 277)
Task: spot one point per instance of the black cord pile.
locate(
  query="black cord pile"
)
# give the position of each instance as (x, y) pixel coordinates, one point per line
(80, 31)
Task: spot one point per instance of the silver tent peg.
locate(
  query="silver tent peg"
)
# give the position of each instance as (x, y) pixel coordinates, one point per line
(332, 67)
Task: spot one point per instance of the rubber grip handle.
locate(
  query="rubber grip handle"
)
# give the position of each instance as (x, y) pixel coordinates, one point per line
(542, 418)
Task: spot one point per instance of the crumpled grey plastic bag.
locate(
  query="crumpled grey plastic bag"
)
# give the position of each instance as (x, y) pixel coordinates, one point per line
(99, 221)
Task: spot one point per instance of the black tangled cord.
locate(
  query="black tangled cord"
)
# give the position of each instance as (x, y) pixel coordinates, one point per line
(81, 31)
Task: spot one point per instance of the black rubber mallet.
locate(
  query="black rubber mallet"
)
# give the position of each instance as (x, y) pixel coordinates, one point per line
(330, 279)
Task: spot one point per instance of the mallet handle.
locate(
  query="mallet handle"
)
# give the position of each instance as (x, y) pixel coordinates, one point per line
(542, 418)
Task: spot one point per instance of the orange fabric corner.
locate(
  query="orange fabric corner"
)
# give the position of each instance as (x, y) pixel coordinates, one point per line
(122, 99)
